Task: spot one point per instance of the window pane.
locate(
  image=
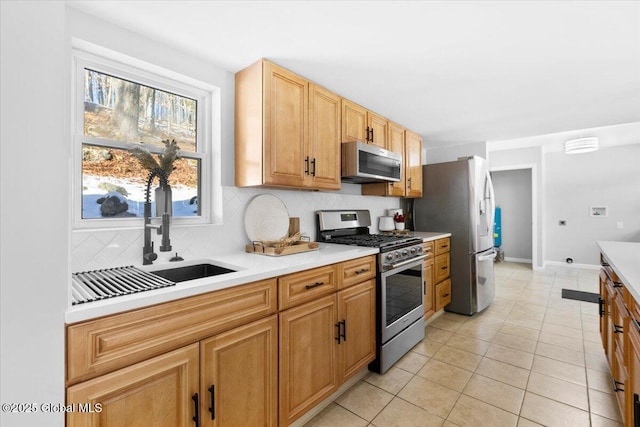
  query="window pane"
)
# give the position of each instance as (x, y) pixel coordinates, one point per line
(127, 111)
(114, 183)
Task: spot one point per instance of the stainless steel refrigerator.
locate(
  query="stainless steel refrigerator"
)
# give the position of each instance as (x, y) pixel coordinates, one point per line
(458, 198)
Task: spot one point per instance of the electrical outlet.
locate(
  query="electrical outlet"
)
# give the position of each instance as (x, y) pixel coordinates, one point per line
(562, 222)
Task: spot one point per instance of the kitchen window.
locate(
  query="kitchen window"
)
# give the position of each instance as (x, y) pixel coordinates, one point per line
(118, 106)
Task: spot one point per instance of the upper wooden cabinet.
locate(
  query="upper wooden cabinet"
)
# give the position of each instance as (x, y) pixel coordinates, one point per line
(360, 124)
(409, 144)
(287, 130)
(413, 164)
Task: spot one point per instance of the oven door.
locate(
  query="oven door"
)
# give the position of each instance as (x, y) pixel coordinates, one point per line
(401, 298)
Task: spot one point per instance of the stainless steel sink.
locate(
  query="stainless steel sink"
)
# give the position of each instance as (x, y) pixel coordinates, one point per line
(191, 272)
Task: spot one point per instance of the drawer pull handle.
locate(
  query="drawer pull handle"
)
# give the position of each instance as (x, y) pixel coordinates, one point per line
(196, 405)
(616, 385)
(212, 408)
(617, 329)
(617, 284)
(363, 270)
(445, 295)
(315, 285)
(443, 268)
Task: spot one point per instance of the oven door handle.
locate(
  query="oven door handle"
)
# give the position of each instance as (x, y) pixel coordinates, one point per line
(409, 261)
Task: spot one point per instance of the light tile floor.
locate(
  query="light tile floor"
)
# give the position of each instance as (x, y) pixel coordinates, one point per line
(531, 358)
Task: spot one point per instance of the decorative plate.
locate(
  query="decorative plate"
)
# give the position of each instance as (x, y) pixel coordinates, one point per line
(266, 219)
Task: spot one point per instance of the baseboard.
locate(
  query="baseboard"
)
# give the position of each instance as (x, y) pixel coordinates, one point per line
(571, 265)
(320, 406)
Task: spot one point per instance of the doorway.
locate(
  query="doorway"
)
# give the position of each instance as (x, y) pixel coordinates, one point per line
(514, 195)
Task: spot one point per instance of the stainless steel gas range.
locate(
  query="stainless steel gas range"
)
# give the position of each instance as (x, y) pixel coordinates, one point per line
(400, 283)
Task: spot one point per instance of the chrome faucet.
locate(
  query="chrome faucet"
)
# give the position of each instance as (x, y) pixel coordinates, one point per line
(148, 255)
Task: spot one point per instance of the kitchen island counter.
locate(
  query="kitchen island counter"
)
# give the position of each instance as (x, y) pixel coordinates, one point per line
(624, 258)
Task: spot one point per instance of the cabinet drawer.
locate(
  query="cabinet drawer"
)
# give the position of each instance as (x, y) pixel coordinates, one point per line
(443, 294)
(307, 285)
(442, 245)
(356, 271)
(442, 267)
(427, 249)
(104, 345)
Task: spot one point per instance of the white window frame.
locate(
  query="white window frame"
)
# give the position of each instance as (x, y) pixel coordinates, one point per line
(208, 141)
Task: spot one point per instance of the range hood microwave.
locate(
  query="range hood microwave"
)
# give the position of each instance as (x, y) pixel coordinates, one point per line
(364, 163)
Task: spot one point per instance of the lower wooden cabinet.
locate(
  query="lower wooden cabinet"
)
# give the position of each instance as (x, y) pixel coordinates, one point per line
(322, 343)
(267, 371)
(443, 294)
(162, 391)
(239, 376)
(429, 280)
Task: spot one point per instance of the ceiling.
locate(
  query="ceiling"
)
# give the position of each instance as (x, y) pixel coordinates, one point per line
(453, 71)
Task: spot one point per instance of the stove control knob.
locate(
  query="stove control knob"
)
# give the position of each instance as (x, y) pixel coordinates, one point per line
(419, 249)
(414, 251)
(405, 252)
(397, 254)
(389, 257)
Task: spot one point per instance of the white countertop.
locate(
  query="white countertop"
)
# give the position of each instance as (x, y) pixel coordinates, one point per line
(428, 236)
(250, 268)
(624, 257)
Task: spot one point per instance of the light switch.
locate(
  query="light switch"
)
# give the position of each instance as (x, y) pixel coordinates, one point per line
(620, 225)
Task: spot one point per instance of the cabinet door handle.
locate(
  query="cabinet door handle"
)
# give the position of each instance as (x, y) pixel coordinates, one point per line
(306, 165)
(616, 328)
(313, 164)
(338, 330)
(601, 305)
(409, 182)
(315, 285)
(196, 405)
(212, 408)
(445, 295)
(363, 270)
(616, 385)
(372, 135)
(344, 330)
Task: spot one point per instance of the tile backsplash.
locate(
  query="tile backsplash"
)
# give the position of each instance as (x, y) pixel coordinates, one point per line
(95, 249)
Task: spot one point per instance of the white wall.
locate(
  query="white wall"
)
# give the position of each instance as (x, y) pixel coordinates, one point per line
(514, 196)
(34, 207)
(449, 153)
(529, 158)
(608, 177)
(568, 185)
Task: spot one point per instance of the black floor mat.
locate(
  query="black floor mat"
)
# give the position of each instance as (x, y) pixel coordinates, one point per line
(580, 295)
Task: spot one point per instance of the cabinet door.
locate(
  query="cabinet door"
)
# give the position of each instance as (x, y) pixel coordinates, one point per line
(413, 164)
(429, 291)
(157, 392)
(324, 138)
(239, 376)
(354, 122)
(633, 363)
(379, 130)
(308, 367)
(285, 126)
(357, 325)
(396, 144)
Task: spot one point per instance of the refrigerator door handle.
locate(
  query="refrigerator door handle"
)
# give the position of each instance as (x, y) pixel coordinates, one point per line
(492, 204)
(487, 257)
